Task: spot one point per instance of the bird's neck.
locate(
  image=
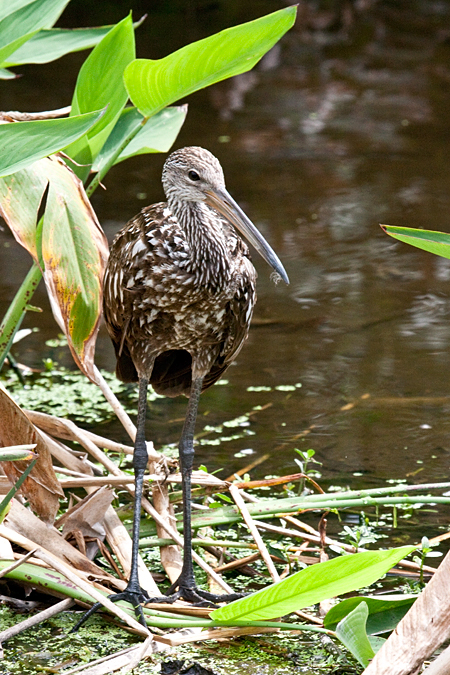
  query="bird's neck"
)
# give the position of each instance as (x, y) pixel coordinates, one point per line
(206, 239)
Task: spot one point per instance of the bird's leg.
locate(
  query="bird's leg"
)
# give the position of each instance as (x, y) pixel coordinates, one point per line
(185, 586)
(133, 593)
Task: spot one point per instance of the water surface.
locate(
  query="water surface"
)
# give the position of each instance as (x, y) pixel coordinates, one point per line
(336, 131)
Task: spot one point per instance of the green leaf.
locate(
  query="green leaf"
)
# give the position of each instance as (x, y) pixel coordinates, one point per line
(351, 631)
(7, 8)
(20, 198)
(152, 85)
(17, 309)
(100, 84)
(376, 642)
(22, 143)
(46, 579)
(75, 251)
(157, 135)
(74, 248)
(49, 45)
(313, 584)
(7, 74)
(384, 611)
(4, 504)
(428, 240)
(19, 26)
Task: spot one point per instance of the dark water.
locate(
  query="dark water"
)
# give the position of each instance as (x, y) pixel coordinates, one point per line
(344, 126)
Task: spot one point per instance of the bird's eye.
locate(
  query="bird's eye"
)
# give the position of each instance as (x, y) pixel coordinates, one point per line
(193, 175)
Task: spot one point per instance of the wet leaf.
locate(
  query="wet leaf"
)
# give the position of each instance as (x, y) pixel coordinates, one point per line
(153, 85)
(16, 27)
(428, 240)
(41, 488)
(23, 143)
(74, 248)
(313, 584)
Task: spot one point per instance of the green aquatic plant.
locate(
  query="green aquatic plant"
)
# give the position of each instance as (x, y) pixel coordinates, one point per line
(101, 130)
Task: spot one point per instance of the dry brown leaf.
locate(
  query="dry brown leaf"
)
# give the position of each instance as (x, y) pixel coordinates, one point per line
(170, 555)
(41, 487)
(24, 522)
(86, 516)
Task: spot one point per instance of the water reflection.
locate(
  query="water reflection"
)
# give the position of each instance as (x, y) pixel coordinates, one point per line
(333, 134)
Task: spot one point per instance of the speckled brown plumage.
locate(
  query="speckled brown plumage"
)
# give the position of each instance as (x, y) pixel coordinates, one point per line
(179, 293)
(179, 288)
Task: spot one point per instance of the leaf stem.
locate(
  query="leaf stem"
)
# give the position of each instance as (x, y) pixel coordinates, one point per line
(16, 487)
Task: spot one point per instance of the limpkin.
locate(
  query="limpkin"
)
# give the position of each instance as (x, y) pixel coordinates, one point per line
(179, 293)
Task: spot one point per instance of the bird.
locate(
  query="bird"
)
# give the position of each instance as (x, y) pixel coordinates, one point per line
(179, 293)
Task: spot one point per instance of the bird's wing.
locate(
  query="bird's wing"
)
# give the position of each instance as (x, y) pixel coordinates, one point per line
(128, 254)
(239, 314)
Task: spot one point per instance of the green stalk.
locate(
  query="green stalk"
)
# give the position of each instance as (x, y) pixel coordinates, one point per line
(174, 622)
(56, 582)
(274, 508)
(377, 491)
(15, 488)
(273, 624)
(17, 309)
(158, 541)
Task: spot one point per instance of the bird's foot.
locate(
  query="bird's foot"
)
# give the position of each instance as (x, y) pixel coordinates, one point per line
(189, 591)
(134, 596)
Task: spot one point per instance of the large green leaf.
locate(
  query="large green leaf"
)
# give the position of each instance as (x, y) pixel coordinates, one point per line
(352, 633)
(74, 248)
(49, 45)
(100, 84)
(313, 584)
(428, 240)
(7, 8)
(20, 198)
(75, 251)
(152, 85)
(157, 135)
(22, 143)
(384, 611)
(19, 26)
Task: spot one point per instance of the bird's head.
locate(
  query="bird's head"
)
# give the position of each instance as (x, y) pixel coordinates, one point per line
(194, 175)
(189, 173)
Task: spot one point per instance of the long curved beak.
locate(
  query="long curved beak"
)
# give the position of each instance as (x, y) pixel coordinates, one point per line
(224, 203)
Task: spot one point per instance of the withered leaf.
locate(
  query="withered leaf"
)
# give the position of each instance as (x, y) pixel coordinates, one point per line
(41, 488)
